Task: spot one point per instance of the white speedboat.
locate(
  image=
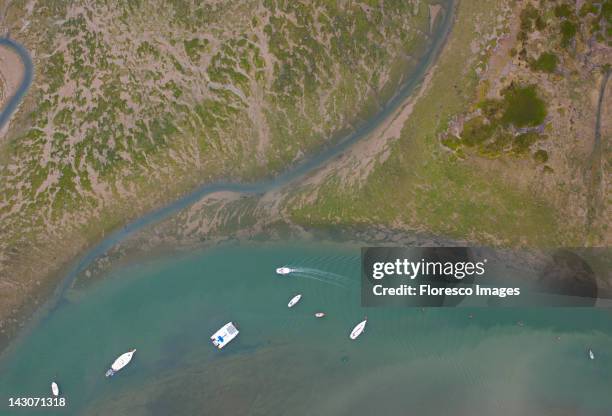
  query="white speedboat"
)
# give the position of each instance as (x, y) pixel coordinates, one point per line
(284, 270)
(294, 300)
(55, 389)
(591, 354)
(120, 362)
(359, 328)
(224, 335)
(320, 315)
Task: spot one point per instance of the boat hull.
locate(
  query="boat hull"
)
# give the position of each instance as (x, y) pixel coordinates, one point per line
(224, 335)
(358, 330)
(294, 300)
(120, 362)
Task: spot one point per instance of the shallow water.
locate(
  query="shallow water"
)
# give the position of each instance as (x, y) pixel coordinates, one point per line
(28, 75)
(408, 361)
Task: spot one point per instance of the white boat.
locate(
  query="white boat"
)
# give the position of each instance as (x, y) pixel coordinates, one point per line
(319, 314)
(294, 300)
(591, 355)
(284, 270)
(55, 389)
(120, 362)
(359, 328)
(224, 335)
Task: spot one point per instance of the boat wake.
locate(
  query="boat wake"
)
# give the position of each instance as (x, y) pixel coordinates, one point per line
(321, 275)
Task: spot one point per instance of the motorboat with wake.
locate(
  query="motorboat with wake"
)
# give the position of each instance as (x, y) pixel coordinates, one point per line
(284, 270)
(120, 362)
(359, 328)
(294, 300)
(224, 335)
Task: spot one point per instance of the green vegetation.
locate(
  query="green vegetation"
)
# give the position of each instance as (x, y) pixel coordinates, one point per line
(540, 156)
(568, 31)
(531, 20)
(492, 132)
(195, 47)
(563, 10)
(477, 130)
(559, 22)
(522, 142)
(598, 16)
(546, 62)
(568, 26)
(145, 48)
(523, 107)
(418, 187)
(453, 192)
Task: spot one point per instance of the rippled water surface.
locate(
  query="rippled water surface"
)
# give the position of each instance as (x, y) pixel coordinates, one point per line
(408, 361)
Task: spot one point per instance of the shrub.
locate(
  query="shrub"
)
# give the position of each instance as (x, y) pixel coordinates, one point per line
(523, 142)
(547, 62)
(476, 131)
(563, 10)
(523, 107)
(540, 156)
(568, 31)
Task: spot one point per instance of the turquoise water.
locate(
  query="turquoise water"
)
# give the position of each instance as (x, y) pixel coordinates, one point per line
(408, 361)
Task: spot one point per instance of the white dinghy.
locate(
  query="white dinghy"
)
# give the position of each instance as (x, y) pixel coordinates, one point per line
(359, 328)
(294, 300)
(120, 362)
(55, 389)
(284, 270)
(591, 354)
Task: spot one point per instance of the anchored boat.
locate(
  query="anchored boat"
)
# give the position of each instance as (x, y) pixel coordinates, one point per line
(55, 389)
(591, 354)
(359, 328)
(224, 335)
(294, 300)
(120, 362)
(320, 315)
